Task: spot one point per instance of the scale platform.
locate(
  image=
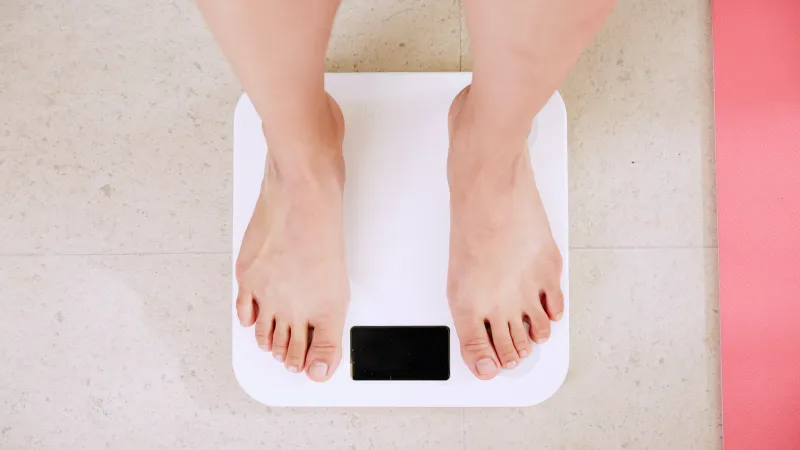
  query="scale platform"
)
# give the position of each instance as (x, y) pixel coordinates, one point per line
(396, 231)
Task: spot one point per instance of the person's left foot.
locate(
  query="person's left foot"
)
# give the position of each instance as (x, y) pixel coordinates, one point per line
(505, 268)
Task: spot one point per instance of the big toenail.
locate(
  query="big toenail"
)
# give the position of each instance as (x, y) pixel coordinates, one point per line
(294, 369)
(559, 316)
(278, 356)
(318, 370)
(511, 364)
(263, 347)
(486, 367)
(523, 354)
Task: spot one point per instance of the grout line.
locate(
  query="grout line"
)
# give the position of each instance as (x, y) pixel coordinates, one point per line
(647, 247)
(460, 35)
(464, 428)
(46, 255)
(211, 253)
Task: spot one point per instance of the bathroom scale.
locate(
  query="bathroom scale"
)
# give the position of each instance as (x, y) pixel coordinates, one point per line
(400, 347)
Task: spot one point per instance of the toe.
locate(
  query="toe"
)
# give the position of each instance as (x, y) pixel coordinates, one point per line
(298, 344)
(520, 337)
(325, 351)
(539, 324)
(477, 349)
(280, 340)
(503, 344)
(265, 325)
(554, 303)
(245, 307)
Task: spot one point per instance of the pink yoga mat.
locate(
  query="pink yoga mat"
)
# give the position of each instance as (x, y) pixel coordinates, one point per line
(757, 85)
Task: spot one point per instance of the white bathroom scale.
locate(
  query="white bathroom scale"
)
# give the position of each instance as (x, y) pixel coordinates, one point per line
(396, 231)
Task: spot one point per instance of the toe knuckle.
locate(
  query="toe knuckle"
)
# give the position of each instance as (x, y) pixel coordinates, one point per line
(556, 297)
(543, 325)
(522, 344)
(475, 344)
(279, 348)
(324, 347)
(540, 327)
(543, 335)
(293, 360)
(507, 354)
(542, 332)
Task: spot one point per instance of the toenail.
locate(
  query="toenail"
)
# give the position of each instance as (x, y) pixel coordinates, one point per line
(263, 347)
(559, 316)
(294, 369)
(318, 370)
(486, 367)
(278, 356)
(541, 340)
(523, 354)
(511, 364)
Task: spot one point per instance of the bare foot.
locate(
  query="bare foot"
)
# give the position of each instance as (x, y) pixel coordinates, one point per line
(291, 269)
(505, 268)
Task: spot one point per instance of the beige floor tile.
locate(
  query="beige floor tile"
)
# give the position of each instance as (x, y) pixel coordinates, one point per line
(116, 118)
(641, 129)
(641, 117)
(134, 352)
(396, 36)
(644, 370)
(466, 54)
(115, 122)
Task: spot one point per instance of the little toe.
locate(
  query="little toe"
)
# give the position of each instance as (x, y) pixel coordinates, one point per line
(265, 325)
(298, 344)
(325, 351)
(520, 337)
(280, 340)
(554, 303)
(539, 324)
(476, 348)
(503, 344)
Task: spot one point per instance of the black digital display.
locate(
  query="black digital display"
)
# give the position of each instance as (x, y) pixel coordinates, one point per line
(400, 353)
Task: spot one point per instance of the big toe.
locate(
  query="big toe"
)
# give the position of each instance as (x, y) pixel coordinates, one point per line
(476, 348)
(325, 352)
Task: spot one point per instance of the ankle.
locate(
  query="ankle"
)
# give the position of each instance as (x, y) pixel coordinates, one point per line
(307, 149)
(303, 169)
(309, 124)
(496, 113)
(483, 150)
(486, 123)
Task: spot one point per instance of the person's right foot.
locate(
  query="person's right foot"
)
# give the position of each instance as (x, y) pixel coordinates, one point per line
(291, 270)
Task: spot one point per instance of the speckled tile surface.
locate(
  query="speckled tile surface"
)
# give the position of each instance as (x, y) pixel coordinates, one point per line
(115, 184)
(396, 36)
(644, 370)
(134, 352)
(641, 136)
(115, 132)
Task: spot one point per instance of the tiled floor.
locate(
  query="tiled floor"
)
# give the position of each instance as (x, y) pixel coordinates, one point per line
(115, 185)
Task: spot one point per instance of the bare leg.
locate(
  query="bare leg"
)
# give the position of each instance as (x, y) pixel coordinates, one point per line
(291, 269)
(505, 268)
